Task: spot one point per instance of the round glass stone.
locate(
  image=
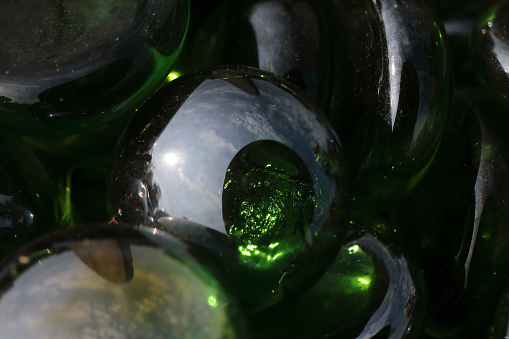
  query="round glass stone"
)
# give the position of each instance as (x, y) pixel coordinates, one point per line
(67, 66)
(367, 292)
(115, 282)
(242, 152)
(278, 36)
(397, 97)
(264, 184)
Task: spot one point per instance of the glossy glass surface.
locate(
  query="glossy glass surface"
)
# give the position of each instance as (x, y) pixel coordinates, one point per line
(216, 243)
(106, 281)
(69, 66)
(467, 232)
(286, 38)
(399, 83)
(268, 202)
(239, 151)
(490, 49)
(367, 292)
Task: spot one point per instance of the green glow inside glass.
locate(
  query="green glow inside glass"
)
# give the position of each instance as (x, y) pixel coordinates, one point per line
(338, 305)
(268, 203)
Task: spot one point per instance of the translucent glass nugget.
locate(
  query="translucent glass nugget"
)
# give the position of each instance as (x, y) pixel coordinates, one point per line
(460, 220)
(67, 65)
(398, 89)
(116, 282)
(238, 150)
(371, 290)
(286, 38)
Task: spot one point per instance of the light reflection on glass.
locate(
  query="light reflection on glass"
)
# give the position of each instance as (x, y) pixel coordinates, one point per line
(172, 76)
(353, 249)
(65, 296)
(173, 160)
(366, 290)
(399, 36)
(208, 133)
(364, 280)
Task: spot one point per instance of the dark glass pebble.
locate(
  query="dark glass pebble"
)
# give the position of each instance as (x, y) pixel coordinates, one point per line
(462, 243)
(398, 87)
(69, 66)
(287, 38)
(372, 289)
(500, 329)
(240, 151)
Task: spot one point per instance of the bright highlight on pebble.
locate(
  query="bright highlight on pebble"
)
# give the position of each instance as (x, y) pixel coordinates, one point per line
(172, 159)
(172, 76)
(212, 301)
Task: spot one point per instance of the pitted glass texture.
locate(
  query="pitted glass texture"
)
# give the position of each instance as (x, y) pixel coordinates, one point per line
(68, 66)
(268, 202)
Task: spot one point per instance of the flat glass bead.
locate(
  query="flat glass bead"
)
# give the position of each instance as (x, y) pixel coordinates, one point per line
(368, 291)
(117, 282)
(459, 220)
(239, 151)
(69, 66)
(398, 89)
(287, 38)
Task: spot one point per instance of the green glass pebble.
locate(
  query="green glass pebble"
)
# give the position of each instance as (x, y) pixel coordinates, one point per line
(240, 151)
(459, 220)
(287, 38)
(268, 202)
(392, 117)
(369, 291)
(458, 22)
(450, 9)
(114, 281)
(70, 66)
